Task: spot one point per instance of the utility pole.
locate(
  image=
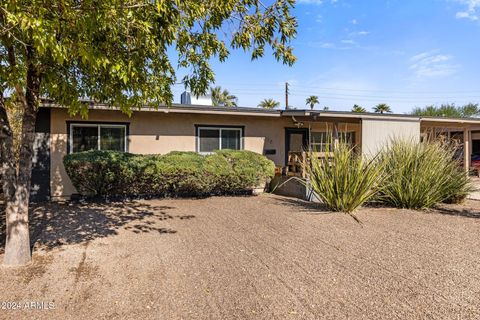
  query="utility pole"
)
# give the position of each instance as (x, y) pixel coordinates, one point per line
(286, 95)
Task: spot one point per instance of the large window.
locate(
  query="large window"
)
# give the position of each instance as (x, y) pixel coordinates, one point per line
(210, 139)
(320, 140)
(86, 137)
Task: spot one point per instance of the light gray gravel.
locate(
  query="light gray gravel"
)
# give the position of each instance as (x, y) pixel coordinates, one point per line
(264, 257)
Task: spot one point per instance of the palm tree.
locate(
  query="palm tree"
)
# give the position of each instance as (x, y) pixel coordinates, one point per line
(312, 101)
(359, 109)
(222, 98)
(268, 104)
(381, 108)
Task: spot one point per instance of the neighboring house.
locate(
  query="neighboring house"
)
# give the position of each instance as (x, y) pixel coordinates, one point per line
(281, 135)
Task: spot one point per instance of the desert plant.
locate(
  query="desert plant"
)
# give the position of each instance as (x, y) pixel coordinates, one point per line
(421, 175)
(344, 180)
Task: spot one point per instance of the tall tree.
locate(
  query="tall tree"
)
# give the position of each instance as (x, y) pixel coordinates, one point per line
(312, 101)
(222, 98)
(358, 109)
(449, 110)
(382, 108)
(116, 52)
(268, 104)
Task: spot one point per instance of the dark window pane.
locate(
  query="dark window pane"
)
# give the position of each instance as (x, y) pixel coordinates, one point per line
(296, 142)
(112, 138)
(209, 140)
(231, 139)
(347, 137)
(320, 137)
(84, 138)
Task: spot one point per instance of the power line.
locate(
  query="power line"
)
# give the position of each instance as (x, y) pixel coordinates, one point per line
(256, 85)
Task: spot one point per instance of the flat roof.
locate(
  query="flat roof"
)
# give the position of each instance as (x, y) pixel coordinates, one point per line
(184, 108)
(249, 111)
(379, 116)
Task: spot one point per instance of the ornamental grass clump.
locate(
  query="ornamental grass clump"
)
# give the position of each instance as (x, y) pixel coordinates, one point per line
(421, 175)
(343, 179)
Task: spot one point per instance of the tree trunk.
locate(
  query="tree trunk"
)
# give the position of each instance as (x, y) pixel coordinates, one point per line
(7, 159)
(17, 247)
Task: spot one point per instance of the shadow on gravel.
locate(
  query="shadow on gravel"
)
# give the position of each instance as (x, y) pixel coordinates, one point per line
(53, 225)
(464, 212)
(304, 206)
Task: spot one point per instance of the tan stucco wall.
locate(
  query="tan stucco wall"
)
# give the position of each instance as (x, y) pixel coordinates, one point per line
(160, 133)
(376, 134)
(153, 132)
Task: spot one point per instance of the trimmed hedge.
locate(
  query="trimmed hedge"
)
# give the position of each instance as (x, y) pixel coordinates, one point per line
(177, 174)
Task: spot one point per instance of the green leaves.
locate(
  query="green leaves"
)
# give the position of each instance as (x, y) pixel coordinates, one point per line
(110, 173)
(312, 101)
(344, 180)
(449, 110)
(268, 104)
(222, 98)
(121, 52)
(382, 108)
(421, 175)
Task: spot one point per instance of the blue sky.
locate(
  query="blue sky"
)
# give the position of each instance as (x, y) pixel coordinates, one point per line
(405, 53)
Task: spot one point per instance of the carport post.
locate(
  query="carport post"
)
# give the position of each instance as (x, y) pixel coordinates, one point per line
(466, 149)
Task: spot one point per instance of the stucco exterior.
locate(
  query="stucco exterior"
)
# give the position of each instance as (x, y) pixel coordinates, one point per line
(163, 131)
(159, 133)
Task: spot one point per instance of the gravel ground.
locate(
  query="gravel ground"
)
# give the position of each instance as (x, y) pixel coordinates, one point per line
(264, 257)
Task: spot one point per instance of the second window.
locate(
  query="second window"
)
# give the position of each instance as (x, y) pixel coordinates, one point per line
(210, 139)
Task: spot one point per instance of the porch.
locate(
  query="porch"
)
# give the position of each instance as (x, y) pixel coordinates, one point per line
(462, 134)
(312, 135)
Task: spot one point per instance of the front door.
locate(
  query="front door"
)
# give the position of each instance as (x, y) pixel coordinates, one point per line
(296, 140)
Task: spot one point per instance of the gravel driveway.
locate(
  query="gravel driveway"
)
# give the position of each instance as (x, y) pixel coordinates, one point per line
(264, 257)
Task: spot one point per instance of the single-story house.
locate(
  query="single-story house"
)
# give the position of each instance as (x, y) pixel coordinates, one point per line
(278, 134)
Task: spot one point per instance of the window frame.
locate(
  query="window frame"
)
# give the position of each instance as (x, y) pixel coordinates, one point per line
(99, 125)
(353, 143)
(199, 127)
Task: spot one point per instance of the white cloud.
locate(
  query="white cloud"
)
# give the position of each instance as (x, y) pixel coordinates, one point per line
(432, 65)
(346, 44)
(354, 21)
(470, 11)
(326, 45)
(359, 33)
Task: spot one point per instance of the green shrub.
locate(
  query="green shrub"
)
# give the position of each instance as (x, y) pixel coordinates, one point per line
(344, 180)
(234, 171)
(108, 173)
(421, 175)
(101, 172)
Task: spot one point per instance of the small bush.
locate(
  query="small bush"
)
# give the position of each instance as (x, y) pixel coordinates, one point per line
(421, 175)
(107, 173)
(344, 180)
(101, 172)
